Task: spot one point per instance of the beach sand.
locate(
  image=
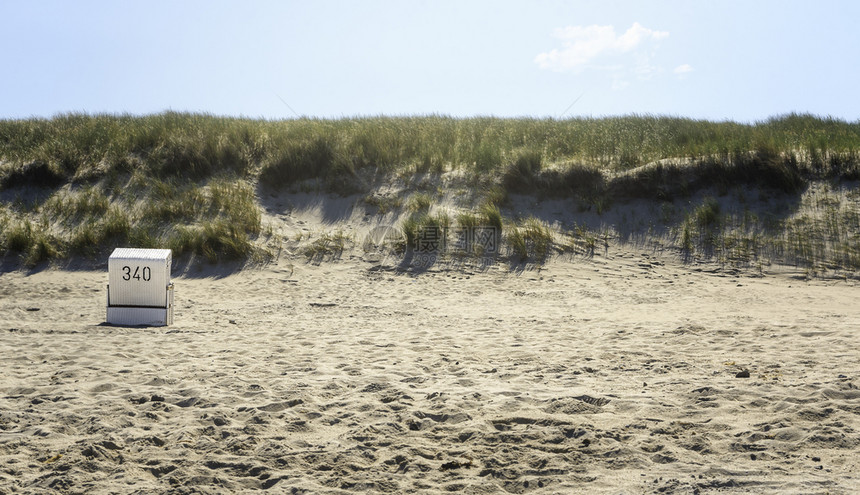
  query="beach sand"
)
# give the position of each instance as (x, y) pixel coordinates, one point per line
(621, 373)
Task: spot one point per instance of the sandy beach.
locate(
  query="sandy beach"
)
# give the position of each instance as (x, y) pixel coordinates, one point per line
(624, 373)
(429, 247)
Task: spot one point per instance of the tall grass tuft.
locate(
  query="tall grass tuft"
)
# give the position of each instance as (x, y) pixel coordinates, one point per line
(18, 236)
(491, 217)
(216, 240)
(427, 232)
(419, 202)
(32, 241)
(530, 240)
(410, 230)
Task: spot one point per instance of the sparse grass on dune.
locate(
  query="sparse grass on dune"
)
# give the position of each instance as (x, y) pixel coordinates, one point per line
(822, 235)
(188, 181)
(326, 245)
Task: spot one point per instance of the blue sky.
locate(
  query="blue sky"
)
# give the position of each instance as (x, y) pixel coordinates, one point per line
(719, 60)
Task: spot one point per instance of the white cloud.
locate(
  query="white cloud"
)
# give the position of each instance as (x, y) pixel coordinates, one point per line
(683, 69)
(636, 35)
(582, 45)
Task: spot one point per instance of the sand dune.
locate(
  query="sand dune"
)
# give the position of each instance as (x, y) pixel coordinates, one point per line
(618, 374)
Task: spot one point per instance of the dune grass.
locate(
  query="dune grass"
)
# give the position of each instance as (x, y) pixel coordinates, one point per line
(191, 181)
(822, 235)
(531, 239)
(419, 202)
(194, 146)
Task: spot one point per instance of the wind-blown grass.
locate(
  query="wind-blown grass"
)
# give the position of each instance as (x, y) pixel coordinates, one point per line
(531, 239)
(195, 146)
(188, 180)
